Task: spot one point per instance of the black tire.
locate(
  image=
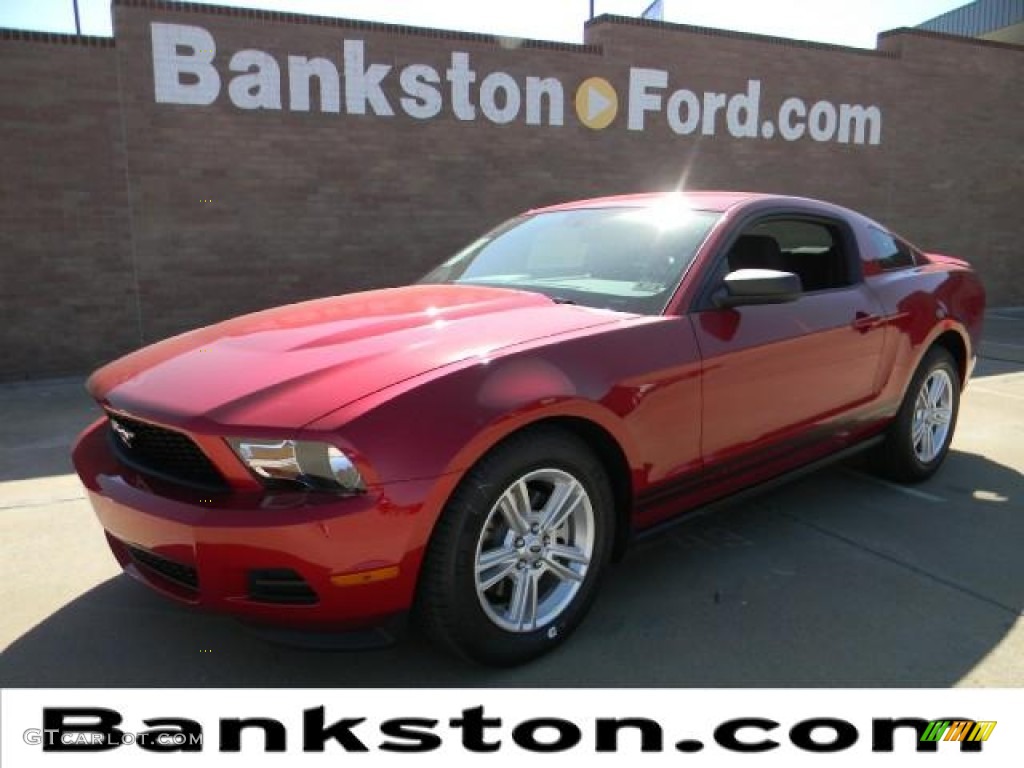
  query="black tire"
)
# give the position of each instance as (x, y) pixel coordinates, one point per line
(899, 457)
(448, 605)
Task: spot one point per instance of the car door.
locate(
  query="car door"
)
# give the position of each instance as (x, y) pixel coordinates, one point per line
(785, 383)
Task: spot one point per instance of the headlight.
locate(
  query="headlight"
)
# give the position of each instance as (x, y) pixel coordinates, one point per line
(310, 464)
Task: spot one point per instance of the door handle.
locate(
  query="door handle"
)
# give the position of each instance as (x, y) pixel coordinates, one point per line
(864, 322)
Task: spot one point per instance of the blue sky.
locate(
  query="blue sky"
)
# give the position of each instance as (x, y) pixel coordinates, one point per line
(843, 22)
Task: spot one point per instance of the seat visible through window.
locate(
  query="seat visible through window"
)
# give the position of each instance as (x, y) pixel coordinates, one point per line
(810, 249)
(756, 252)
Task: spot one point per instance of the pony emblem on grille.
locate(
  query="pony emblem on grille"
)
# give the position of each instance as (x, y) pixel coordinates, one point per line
(122, 432)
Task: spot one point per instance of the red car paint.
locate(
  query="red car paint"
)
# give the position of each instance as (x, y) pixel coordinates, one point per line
(415, 384)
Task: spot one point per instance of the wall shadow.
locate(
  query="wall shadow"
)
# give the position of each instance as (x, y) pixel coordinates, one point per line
(988, 367)
(39, 421)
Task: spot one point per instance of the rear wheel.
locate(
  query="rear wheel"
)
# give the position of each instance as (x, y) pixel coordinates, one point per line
(514, 562)
(918, 440)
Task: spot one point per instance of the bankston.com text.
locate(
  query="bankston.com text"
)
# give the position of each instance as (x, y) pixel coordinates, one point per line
(96, 729)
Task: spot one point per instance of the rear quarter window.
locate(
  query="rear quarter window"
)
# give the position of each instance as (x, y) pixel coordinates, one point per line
(890, 252)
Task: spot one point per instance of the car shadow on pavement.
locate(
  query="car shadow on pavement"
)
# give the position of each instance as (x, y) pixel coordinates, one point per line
(836, 580)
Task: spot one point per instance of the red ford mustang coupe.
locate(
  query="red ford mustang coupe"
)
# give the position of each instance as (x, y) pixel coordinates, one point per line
(478, 447)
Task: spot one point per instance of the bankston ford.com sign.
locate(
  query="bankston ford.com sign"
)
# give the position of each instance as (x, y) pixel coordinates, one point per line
(185, 73)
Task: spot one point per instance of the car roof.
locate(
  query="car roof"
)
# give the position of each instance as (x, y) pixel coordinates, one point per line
(703, 200)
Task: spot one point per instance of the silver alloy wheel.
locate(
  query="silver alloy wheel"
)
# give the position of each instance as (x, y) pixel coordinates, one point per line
(933, 412)
(534, 550)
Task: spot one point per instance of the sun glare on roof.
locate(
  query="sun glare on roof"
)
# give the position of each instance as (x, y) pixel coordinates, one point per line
(669, 212)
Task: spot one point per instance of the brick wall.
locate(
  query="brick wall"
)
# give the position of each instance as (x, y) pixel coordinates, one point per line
(67, 296)
(127, 220)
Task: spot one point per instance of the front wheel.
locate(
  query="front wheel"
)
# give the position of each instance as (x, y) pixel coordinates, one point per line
(514, 562)
(918, 440)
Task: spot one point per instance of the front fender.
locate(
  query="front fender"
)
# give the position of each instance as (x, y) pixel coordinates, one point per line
(639, 381)
(444, 425)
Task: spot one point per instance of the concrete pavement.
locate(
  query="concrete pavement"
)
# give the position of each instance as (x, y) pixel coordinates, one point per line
(1004, 335)
(838, 579)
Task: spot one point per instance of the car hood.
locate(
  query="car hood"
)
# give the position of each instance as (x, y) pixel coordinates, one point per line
(283, 368)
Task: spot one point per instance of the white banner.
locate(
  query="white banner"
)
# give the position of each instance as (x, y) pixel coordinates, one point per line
(139, 727)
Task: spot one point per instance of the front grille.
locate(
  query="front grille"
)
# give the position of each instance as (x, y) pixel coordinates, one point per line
(280, 585)
(163, 452)
(179, 573)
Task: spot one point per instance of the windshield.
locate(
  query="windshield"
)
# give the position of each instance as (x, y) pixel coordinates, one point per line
(628, 259)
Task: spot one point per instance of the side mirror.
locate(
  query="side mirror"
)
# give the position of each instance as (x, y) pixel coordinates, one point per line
(758, 286)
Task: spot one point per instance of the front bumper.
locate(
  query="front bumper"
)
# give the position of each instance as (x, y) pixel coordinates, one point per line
(308, 561)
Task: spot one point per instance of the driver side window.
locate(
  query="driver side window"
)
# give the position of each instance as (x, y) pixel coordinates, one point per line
(811, 249)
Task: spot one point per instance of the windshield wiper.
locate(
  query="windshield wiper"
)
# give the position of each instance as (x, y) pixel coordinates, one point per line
(561, 300)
